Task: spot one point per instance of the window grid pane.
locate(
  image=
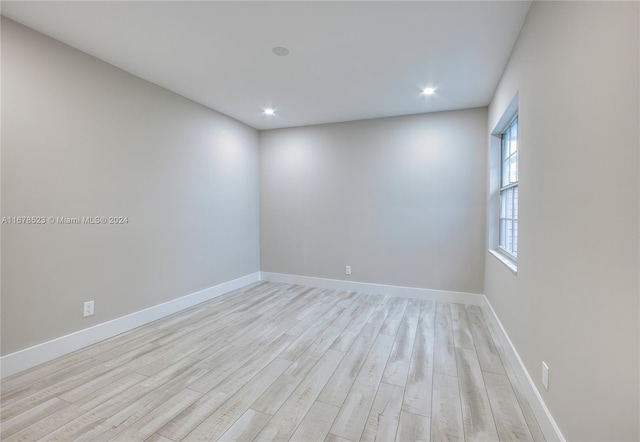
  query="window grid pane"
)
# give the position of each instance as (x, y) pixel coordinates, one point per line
(513, 137)
(505, 172)
(513, 169)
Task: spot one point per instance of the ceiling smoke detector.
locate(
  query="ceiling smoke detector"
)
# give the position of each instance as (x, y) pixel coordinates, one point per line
(280, 51)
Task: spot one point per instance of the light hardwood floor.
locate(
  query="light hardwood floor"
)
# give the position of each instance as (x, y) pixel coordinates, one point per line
(281, 362)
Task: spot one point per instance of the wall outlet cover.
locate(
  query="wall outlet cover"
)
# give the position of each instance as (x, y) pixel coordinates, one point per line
(545, 375)
(89, 308)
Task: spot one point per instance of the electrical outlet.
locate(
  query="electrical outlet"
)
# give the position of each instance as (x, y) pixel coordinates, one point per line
(347, 270)
(545, 375)
(88, 308)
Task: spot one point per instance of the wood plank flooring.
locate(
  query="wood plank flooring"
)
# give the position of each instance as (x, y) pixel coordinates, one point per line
(274, 362)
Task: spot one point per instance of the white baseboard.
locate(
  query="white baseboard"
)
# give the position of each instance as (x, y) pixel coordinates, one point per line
(38, 354)
(394, 290)
(547, 424)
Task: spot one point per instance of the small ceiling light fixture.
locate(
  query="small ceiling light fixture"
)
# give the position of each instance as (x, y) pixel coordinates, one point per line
(269, 111)
(428, 91)
(280, 51)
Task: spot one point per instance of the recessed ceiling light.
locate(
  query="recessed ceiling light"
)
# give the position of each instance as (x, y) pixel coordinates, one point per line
(428, 91)
(280, 51)
(269, 111)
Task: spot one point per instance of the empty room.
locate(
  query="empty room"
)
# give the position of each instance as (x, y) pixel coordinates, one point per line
(320, 221)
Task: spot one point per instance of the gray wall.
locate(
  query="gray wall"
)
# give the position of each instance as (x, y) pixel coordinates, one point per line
(81, 137)
(401, 200)
(574, 301)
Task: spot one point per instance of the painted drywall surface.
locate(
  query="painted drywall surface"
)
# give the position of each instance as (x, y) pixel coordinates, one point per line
(574, 301)
(401, 200)
(82, 138)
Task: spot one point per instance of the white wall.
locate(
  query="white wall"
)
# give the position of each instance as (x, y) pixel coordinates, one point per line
(401, 200)
(574, 301)
(81, 137)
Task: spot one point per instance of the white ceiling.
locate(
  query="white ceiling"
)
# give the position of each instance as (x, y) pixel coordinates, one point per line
(347, 61)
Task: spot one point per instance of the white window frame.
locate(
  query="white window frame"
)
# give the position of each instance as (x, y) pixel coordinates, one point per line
(511, 111)
(504, 188)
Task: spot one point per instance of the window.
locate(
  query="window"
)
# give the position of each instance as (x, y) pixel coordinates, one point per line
(508, 234)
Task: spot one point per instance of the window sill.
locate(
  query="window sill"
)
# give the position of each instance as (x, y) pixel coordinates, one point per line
(506, 261)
